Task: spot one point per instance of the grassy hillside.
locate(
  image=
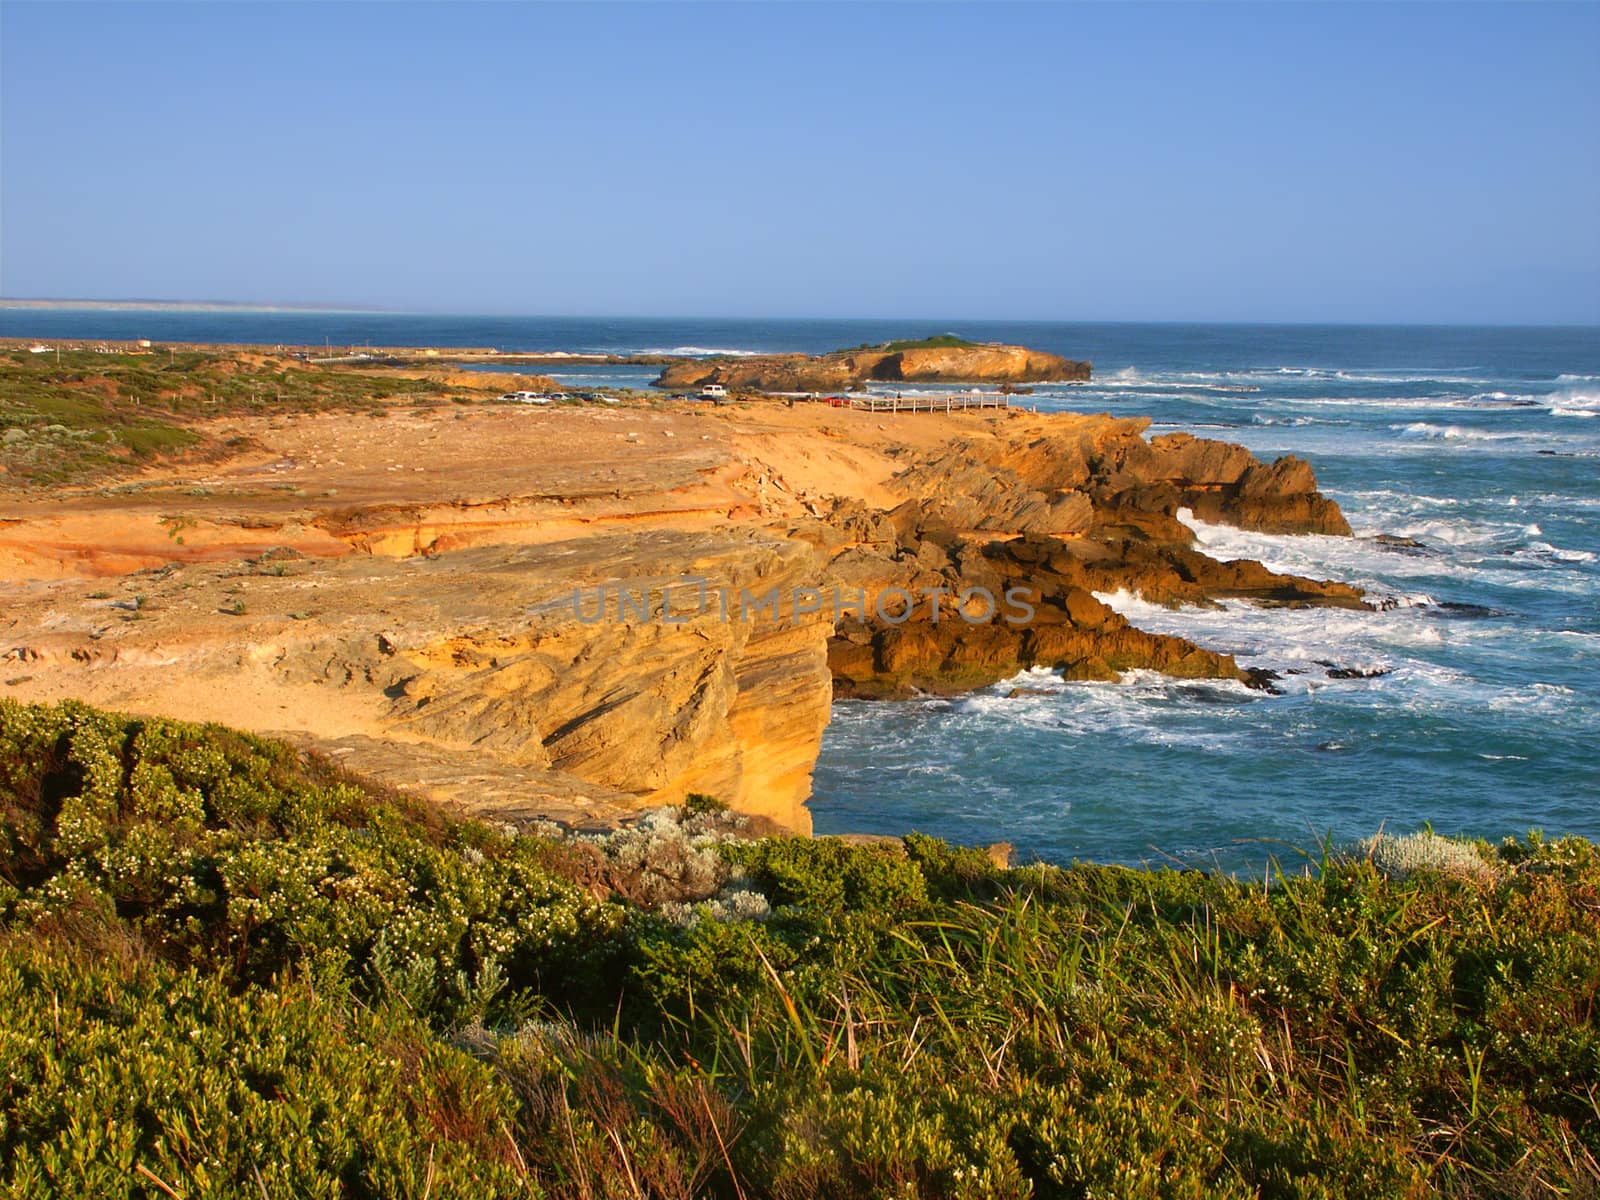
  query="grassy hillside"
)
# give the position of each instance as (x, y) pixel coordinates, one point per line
(226, 969)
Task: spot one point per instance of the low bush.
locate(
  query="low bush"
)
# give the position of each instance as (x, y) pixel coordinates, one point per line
(228, 969)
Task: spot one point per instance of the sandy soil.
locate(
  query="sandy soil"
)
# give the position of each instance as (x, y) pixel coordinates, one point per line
(327, 484)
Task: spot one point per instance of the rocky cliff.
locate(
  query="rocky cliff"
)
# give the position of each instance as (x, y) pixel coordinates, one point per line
(621, 673)
(527, 680)
(422, 595)
(848, 369)
(1048, 521)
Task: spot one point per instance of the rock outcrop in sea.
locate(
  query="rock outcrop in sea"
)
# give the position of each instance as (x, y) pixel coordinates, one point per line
(1054, 519)
(844, 370)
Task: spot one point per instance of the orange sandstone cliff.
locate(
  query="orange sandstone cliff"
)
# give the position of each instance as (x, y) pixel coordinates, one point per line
(421, 595)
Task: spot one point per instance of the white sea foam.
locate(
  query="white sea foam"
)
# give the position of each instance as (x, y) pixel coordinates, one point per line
(1467, 552)
(1460, 534)
(700, 352)
(1164, 384)
(1534, 697)
(1279, 638)
(1306, 554)
(1546, 550)
(1398, 653)
(1393, 498)
(1578, 398)
(1135, 708)
(1371, 375)
(1455, 433)
(1401, 404)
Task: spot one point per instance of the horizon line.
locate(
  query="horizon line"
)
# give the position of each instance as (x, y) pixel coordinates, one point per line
(27, 304)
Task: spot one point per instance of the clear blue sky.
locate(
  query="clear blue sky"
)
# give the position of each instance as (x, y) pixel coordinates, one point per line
(1122, 162)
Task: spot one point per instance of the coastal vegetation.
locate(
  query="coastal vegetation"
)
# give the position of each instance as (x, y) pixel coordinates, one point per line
(83, 415)
(228, 968)
(939, 341)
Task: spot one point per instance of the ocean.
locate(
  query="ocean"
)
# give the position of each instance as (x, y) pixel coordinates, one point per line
(1481, 717)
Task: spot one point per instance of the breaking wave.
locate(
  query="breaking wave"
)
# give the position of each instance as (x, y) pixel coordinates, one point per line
(698, 352)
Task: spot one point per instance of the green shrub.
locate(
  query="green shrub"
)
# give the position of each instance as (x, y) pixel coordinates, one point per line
(828, 875)
(123, 1072)
(228, 968)
(1401, 856)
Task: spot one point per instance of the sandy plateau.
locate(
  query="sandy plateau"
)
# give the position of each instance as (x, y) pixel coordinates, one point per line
(395, 588)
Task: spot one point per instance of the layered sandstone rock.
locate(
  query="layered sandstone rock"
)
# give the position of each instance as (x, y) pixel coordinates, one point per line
(635, 678)
(399, 592)
(1052, 519)
(498, 660)
(846, 369)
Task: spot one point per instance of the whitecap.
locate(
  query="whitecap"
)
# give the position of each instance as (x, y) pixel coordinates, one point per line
(1453, 433)
(1572, 401)
(1386, 600)
(699, 352)
(1546, 550)
(1389, 494)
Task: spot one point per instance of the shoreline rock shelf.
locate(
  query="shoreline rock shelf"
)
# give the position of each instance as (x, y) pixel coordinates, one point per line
(368, 610)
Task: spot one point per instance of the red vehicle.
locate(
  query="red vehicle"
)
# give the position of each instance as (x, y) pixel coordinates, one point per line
(838, 402)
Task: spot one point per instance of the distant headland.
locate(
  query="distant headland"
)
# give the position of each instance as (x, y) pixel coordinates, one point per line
(175, 306)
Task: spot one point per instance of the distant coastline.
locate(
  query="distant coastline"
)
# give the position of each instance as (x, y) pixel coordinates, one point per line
(172, 306)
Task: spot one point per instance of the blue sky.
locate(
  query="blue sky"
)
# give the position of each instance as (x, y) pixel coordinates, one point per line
(1120, 162)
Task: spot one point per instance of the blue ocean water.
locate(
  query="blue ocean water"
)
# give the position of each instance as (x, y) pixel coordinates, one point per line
(1482, 445)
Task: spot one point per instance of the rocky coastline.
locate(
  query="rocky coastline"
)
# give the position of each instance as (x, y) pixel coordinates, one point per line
(423, 595)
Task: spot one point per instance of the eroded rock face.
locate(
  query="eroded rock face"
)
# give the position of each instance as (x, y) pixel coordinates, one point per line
(843, 370)
(1049, 521)
(601, 682)
(494, 670)
(422, 623)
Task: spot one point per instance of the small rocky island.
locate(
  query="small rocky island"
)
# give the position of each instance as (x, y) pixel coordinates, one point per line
(942, 359)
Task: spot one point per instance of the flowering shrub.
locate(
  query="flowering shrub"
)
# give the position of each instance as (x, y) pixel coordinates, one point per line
(223, 850)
